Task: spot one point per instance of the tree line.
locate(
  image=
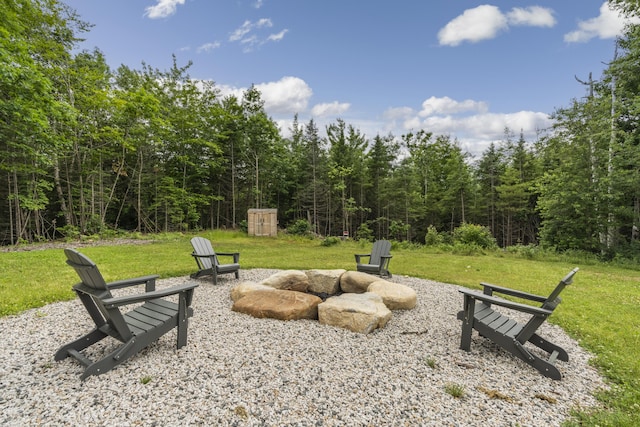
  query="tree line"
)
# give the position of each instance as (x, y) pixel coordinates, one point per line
(85, 149)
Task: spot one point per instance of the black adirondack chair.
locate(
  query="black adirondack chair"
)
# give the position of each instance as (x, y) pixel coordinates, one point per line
(379, 259)
(478, 314)
(152, 317)
(208, 263)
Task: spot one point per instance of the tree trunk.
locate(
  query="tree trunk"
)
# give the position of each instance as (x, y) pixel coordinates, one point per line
(58, 185)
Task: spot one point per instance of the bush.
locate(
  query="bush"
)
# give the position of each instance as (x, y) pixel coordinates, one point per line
(433, 238)
(364, 233)
(300, 227)
(330, 241)
(70, 232)
(478, 235)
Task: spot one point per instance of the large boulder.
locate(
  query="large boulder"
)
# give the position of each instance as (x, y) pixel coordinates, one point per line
(290, 280)
(394, 295)
(324, 281)
(357, 312)
(244, 288)
(356, 282)
(278, 304)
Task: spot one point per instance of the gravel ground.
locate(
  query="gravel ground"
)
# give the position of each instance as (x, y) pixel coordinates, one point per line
(237, 370)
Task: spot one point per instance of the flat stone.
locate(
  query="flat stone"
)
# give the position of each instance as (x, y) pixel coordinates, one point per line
(290, 280)
(244, 288)
(356, 282)
(394, 295)
(361, 313)
(324, 281)
(278, 304)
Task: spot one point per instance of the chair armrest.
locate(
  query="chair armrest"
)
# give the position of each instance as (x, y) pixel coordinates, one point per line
(147, 280)
(385, 260)
(131, 299)
(361, 255)
(235, 255)
(505, 303)
(489, 289)
(195, 255)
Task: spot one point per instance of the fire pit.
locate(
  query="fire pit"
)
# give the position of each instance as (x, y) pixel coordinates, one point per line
(356, 301)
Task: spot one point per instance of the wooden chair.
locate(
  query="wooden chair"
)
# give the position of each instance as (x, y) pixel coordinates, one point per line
(379, 259)
(208, 263)
(152, 317)
(478, 314)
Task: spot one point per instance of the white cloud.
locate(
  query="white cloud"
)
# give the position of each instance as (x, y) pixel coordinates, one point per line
(334, 108)
(163, 8)
(486, 22)
(208, 47)
(534, 16)
(258, 4)
(398, 113)
(468, 121)
(480, 23)
(264, 22)
(608, 25)
(447, 105)
(241, 31)
(277, 37)
(226, 90)
(491, 126)
(285, 97)
(289, 95)
(246, 34)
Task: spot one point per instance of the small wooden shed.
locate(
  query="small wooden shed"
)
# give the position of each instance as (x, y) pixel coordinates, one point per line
(263, 222)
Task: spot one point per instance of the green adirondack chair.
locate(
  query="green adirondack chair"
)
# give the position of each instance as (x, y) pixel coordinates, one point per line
(152, 317)
(379, 259)
(479, 314)
(208, 263)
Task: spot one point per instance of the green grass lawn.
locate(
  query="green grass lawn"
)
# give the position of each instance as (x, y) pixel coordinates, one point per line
(601, 309)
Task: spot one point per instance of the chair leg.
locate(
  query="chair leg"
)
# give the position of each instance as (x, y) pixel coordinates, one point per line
(113, 359)
(215, 277)
(80, 344)
(467, 323)
(543, 366)
(182, 321)
(237, 274)
(549, 347)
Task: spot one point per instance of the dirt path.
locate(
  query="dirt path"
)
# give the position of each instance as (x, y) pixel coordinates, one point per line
(75, 244)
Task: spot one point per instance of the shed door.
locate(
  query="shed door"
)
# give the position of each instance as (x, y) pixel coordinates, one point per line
(263, 224)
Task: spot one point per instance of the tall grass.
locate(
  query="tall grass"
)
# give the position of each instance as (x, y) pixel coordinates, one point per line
(601, 309)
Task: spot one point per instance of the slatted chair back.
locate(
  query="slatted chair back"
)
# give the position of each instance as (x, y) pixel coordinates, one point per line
(552, 301)
(92, 290)
(86, 269)
(202, 246)
(554, 298)
(380, 248)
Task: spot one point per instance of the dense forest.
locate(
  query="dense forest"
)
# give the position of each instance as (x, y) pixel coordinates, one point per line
(85, 150)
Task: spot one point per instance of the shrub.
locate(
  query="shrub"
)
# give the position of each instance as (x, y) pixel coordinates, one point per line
(433, 238)
(364, 233)
(330, 241)
(69, 232)
(471, 234)
(299, 227)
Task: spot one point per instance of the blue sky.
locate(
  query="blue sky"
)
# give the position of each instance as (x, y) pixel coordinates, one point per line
(462, 68)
